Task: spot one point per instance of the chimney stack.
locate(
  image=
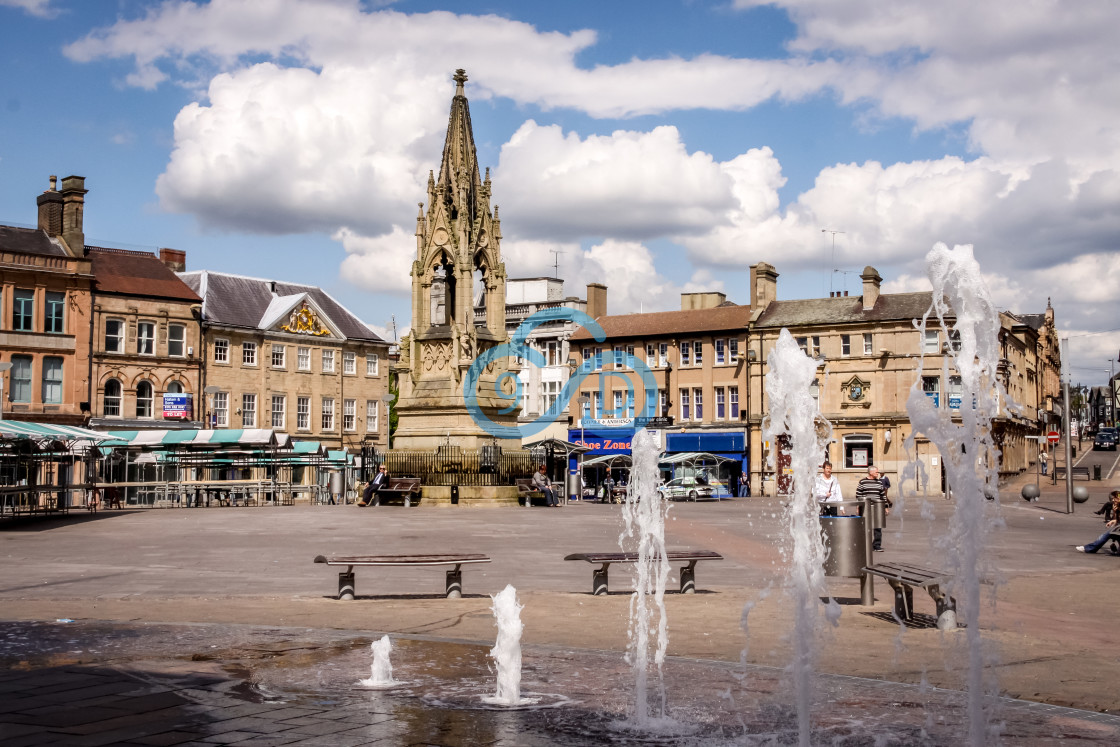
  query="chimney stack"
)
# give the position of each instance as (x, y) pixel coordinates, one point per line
(73, 209)
(702, 300)
(596, 300)
(871, 281)
(50, 210)
(175, 259)
(764, 285)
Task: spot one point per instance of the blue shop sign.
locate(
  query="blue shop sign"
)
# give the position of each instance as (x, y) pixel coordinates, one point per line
(603, 440)
(712, 443)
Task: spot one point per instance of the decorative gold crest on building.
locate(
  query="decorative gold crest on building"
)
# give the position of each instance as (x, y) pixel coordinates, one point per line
(303, 321)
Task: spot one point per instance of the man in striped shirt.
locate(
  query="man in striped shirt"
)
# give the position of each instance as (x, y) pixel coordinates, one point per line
(872, 487)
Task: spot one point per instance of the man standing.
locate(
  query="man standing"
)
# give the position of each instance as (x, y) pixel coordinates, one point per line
(541, 483)
(872, 488)
(826, 489)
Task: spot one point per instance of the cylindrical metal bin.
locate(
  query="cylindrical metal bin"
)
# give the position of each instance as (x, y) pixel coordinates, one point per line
(575, 490)
(845, 541)
(336, 483)
(878, 514)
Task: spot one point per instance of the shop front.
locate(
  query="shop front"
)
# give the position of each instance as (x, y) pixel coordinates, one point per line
(730, 448)
(613, 443)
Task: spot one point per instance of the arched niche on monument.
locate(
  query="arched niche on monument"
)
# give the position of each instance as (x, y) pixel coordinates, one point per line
(479, 291)
(442, 291)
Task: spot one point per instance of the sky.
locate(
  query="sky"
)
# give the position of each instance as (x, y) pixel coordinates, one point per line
(659, 146)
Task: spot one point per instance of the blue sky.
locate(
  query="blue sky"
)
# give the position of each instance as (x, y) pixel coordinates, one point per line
(660, 147)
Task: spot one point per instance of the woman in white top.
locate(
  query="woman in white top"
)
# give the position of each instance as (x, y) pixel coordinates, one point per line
(826, 489)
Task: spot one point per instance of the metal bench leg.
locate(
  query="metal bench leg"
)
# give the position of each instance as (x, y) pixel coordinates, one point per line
(599, 580)
(946, 608)
(903, 599)
(346, 584)
(688, 578)
(455, 583)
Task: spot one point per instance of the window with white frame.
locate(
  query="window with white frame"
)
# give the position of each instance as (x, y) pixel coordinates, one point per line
(176, 340)
(845, 345)
(52, 380)
(248, 353)
(733, 354)
(630, 349)
(552, 353)
(721, 352)
(956, 391)
(816, 351)
(803, 343)
(586, 353)
(686, 405)
(349, 363)
(372, 364)
(221, 350)
(651, 356)
(931, 342)
(721, 403)
(629, 403)
(279, 411)
(220, 410)
(248, 411)
(733, 401)
(868, 347)
(697, 353)
(955, 340)
(697, 404)
(303, 413)
(146, 338)
(303, 358)
(111, 402)
(328, 414)
(328, 361)
(619, 360)
(371, 414)
(686, 354)
(598, 359)
(349, 414)
(663, 354)
(551, 393)
(144, 399)
(114, 336)
(618, 409)
(598, 405)
(663, 403)
(279, 356)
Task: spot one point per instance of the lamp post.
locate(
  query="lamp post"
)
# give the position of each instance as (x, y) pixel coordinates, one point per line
(388, 399)
(210, 391)
(5, 366)
(583, 401)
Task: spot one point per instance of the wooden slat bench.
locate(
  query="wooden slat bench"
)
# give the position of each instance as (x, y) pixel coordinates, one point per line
(454, 577)
(688, 571)
(403, 489)
(904, 578)
(528, 494)
(1077, 472)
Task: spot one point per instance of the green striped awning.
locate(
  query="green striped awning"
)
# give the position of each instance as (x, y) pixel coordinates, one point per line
(23, 429)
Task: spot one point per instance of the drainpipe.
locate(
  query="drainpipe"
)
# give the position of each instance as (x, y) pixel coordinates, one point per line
(92, 333)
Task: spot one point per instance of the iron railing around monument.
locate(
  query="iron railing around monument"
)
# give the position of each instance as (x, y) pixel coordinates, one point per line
(451, 465)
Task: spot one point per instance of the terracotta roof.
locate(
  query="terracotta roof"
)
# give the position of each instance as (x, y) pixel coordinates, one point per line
(240, 301)
(660, 323)
(136, 274)
(29, 241)
(844, 310)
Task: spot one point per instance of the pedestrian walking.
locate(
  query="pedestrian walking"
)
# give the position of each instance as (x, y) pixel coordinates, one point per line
(826, 489)
(1042, 460)
(871, 487)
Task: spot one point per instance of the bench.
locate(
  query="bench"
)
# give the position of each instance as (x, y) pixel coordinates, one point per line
(904, 578)
(1077, 472)
(454, 588)
(688, 571)
(404, 489)
(526, 493)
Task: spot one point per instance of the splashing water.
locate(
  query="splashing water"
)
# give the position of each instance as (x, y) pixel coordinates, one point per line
(507, 649)
(967, 449)
(644, 515)
(794, 420)
(381, 670)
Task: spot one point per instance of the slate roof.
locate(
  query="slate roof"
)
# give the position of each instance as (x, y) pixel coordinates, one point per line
(136, 274)
(29, 241)
(660, 323)
(1034, 321)
(844, 310)
(240, 301)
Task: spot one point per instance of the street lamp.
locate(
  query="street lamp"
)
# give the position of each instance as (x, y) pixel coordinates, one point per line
(6, 365)
(388, 398)
(211, 391)
(583, 401)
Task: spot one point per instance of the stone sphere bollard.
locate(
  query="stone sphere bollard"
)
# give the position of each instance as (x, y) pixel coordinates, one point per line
(1030, 493)
(1080, 494)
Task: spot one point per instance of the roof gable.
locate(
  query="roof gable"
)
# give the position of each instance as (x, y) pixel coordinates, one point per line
(298, 314)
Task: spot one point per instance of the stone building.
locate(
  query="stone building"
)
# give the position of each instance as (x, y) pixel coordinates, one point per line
(867, 350)
(45, 286)
(146, 352)
(289, 357)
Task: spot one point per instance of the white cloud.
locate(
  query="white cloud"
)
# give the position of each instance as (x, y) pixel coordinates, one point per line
(380, 263)
(39, 8)
(626, 184)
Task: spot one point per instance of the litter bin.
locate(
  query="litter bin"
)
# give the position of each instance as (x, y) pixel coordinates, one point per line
(574, 487)
(845, 541)
(1096, 472)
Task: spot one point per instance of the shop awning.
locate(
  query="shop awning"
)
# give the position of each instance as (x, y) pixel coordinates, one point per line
(222, 437)
(692, 457)
(557, 444)
(611, 460)
(15, 429)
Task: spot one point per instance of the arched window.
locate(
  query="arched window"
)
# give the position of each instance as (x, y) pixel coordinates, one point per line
(144, 399)
(174, 388)
(111, 405)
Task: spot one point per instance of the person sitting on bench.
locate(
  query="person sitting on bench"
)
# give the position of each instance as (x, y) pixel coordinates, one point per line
(1111, 513)
(541, 483)
(376, 485)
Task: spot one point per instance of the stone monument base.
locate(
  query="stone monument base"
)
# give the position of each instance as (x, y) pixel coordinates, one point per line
(470, 495)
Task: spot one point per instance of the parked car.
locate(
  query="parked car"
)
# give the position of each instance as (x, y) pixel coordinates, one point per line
(686, 488)
(1104, 440)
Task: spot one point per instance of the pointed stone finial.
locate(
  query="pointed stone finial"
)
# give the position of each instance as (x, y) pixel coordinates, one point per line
(460, 77)
(487, 173)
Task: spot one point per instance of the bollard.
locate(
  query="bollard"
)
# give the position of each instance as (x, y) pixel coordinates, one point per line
(688, 578)
(346, 585)
(1096, 472)
(1030, 493)
(599, 581)
(455, 584)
